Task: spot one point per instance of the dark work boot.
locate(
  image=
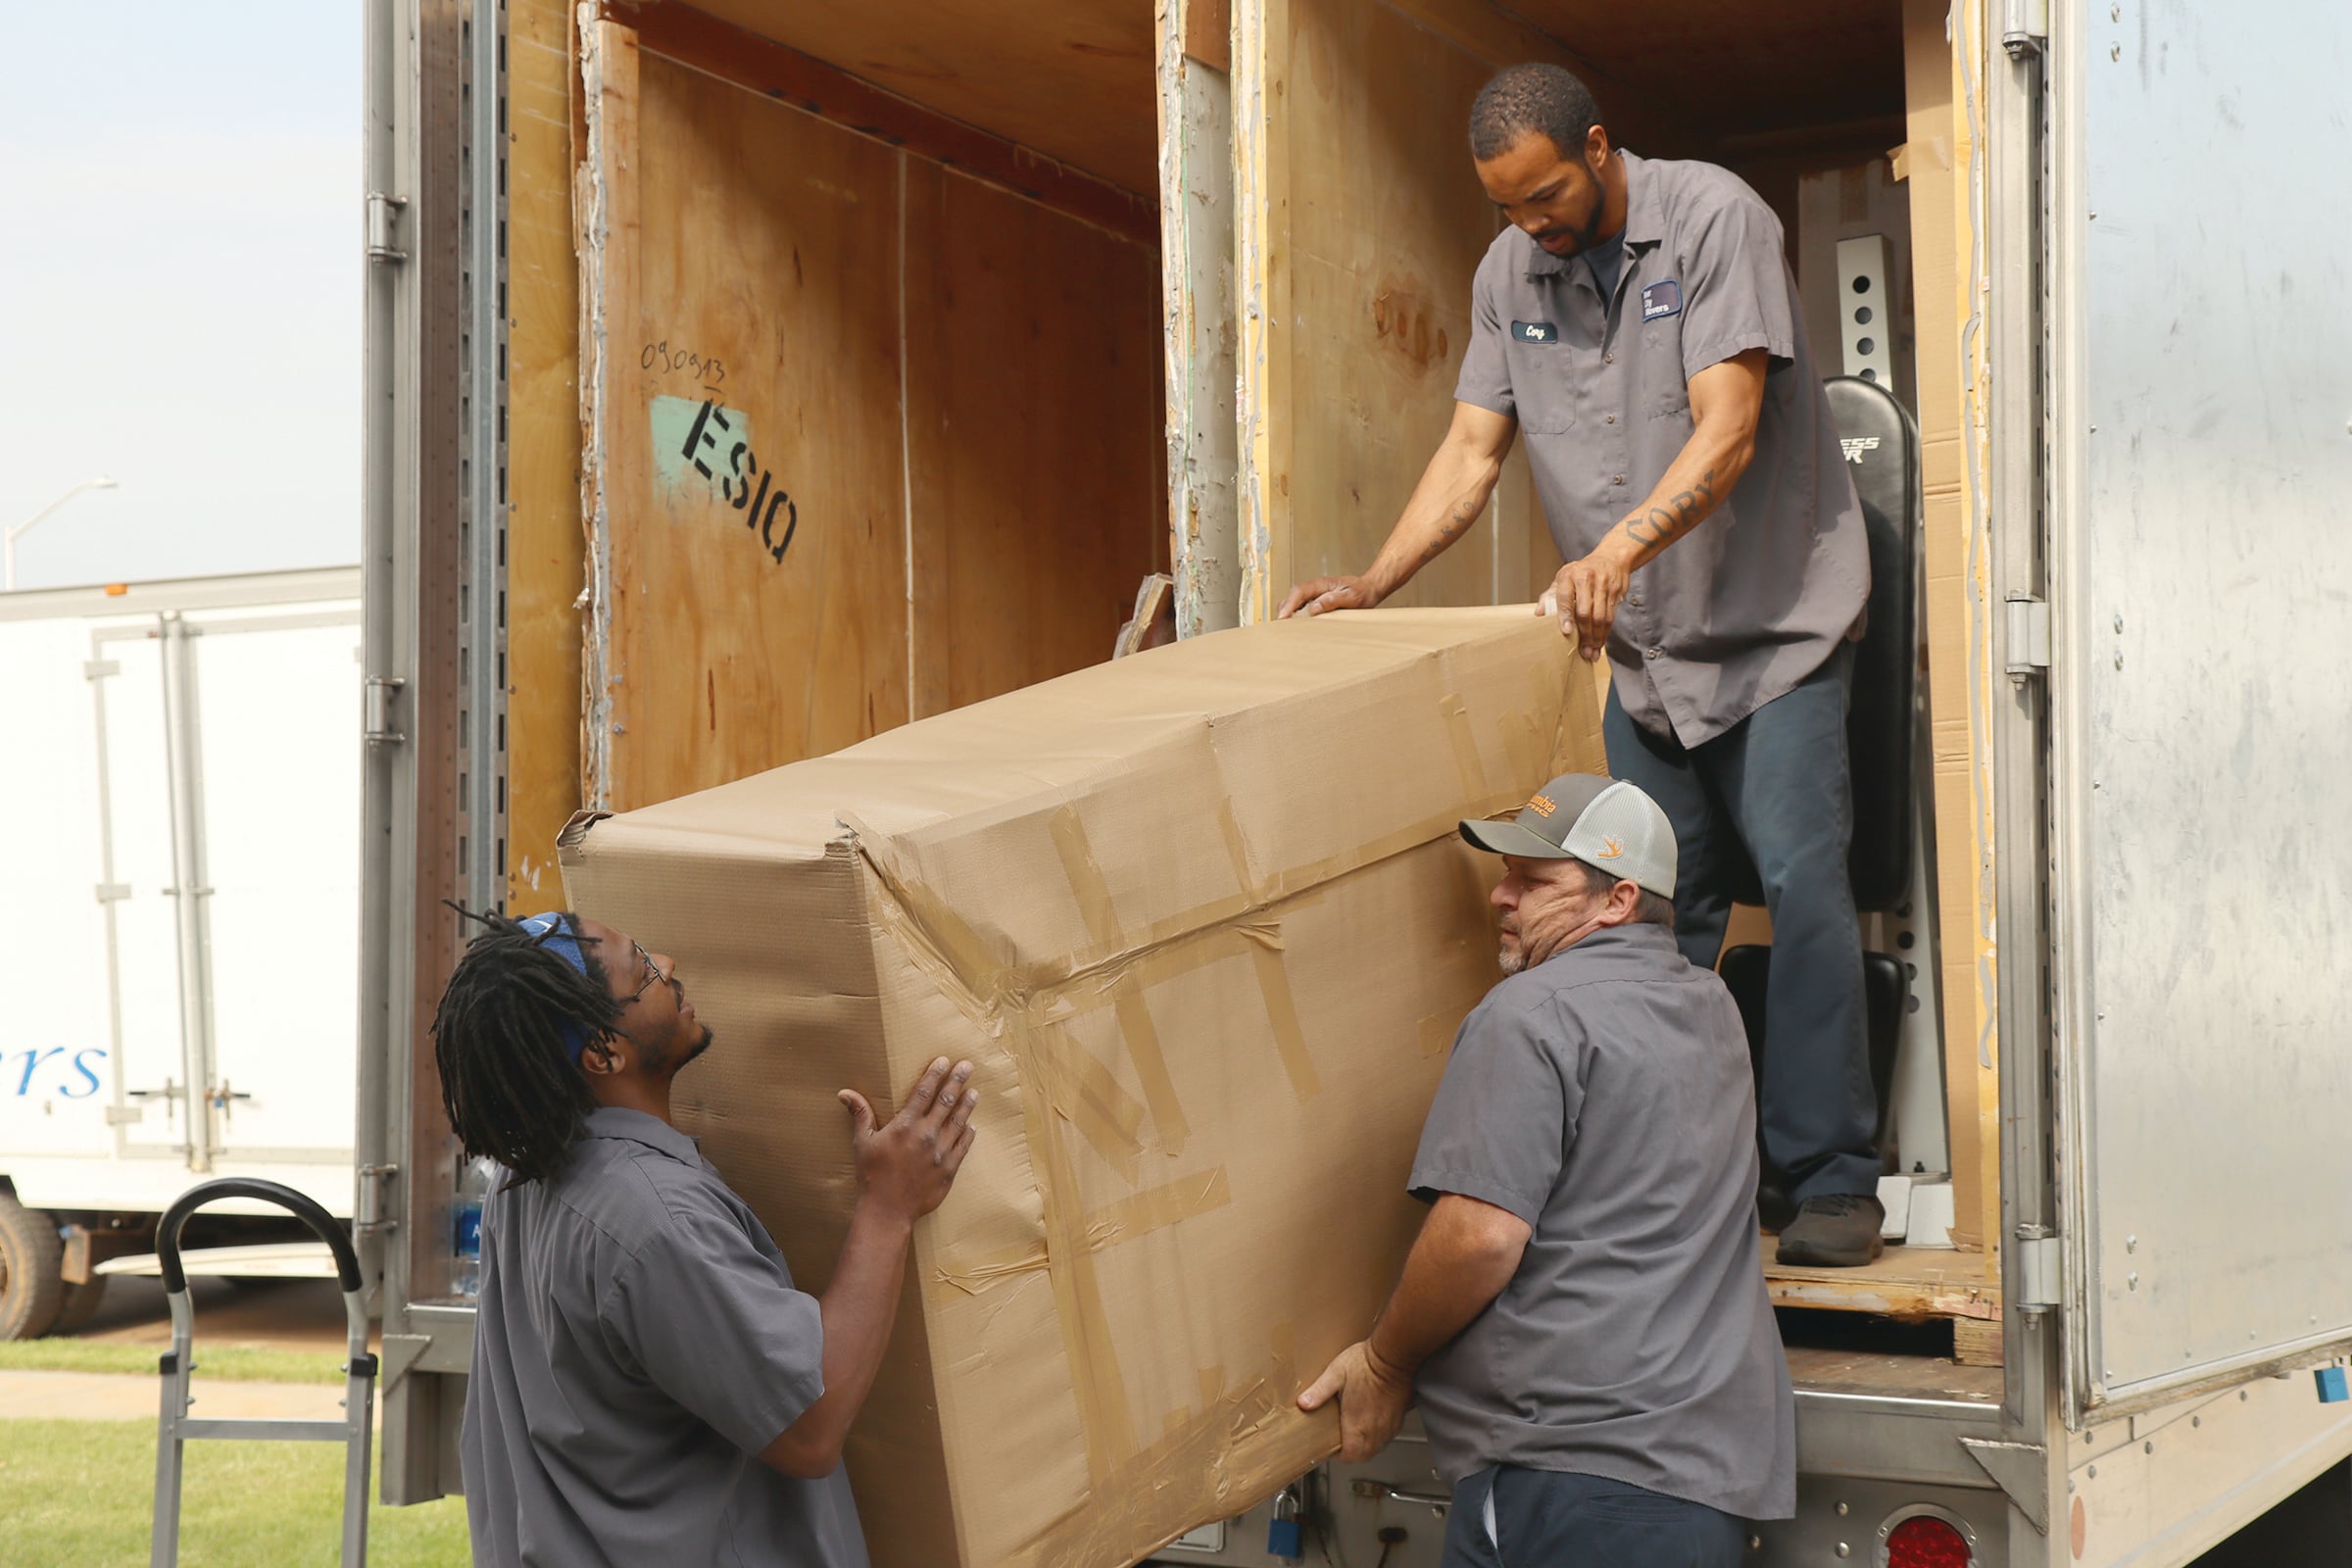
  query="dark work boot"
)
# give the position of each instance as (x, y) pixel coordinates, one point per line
(1839, 1230)
(1774, 1208)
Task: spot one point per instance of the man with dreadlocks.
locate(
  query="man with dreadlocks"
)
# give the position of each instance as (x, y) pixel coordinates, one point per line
(647, 1386)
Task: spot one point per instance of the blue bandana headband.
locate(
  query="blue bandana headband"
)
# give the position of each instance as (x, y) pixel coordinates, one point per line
(557, 936)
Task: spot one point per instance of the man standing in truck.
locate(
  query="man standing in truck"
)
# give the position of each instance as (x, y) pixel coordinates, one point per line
(647, 1384)
(1639, 322)
(1584, 1315)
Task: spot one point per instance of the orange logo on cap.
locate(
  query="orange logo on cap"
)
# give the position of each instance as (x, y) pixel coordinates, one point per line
(1610, 848)
(1542, 805)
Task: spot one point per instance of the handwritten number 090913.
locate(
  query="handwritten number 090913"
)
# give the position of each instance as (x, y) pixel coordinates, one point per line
(712, 372)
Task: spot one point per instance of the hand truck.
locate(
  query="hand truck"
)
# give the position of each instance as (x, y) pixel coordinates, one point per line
(355, 1431)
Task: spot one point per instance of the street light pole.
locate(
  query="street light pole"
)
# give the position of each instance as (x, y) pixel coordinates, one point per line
(8, 572)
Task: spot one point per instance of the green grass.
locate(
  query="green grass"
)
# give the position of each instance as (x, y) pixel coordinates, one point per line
(230, 1363)
(80, 1495)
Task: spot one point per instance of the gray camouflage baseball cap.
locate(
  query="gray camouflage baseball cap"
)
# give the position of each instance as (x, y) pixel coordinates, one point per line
(1602, 821)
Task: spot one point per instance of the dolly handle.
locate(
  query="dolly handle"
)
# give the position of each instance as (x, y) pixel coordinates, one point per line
(301, 1205)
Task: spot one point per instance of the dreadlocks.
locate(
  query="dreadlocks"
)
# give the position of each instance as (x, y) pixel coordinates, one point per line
(507, 1080)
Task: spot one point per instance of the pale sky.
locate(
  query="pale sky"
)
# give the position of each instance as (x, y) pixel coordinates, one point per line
(180, 286)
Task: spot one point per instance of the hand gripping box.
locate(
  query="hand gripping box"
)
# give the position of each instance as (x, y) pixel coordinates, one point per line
(1201, 918)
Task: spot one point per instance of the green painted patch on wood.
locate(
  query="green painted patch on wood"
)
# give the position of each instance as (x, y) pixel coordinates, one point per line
(699, 444)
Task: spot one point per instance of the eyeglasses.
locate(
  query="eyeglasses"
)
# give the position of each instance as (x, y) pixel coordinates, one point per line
(652, 974)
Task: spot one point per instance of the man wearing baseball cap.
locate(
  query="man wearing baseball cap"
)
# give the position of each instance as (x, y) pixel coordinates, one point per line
(1583, 1317)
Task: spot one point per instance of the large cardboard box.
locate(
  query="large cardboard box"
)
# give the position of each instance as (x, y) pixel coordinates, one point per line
(1201, 918)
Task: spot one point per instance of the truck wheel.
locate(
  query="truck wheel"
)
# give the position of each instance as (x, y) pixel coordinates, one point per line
(32, 1283)
(81, 1303)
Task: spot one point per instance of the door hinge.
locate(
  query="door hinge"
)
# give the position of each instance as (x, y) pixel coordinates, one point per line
(377, 714)
(2040, 1262)
(100, 669)
(383, 224)
(374, 1199)
(113, 892)
(2025, 28)
(125, 1115)
(2028, 635)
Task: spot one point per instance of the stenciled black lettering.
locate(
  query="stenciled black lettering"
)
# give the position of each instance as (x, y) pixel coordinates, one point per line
(791, 521)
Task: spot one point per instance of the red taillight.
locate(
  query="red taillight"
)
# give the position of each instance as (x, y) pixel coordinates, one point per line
(1926, 1542)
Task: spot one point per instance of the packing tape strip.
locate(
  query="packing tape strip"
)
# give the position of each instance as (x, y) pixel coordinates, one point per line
(1580, 726)
(1251, 1438)
(941, 929)
(1466, 760)
(1156, 1208)
(1273, 974)
(1104, 1418)
(1093, 892)
(1084, 1094)
(1282, 1010)
(1135, 1215)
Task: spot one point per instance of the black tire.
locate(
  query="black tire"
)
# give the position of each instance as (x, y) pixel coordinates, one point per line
(32, 1282)
(81, 1303)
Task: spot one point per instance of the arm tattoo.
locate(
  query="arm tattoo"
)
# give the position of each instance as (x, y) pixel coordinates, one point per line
(1464, 513)
(1663, 525)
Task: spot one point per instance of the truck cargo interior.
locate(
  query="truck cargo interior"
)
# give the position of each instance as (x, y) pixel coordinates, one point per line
(876, 287)
(946, 311)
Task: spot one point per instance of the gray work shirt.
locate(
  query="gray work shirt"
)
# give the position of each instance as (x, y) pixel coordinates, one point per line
(1756, 598)
(1604, 1098)
(638, 1343)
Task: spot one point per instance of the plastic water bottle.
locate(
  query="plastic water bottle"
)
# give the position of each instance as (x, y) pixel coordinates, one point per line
(465, 1214)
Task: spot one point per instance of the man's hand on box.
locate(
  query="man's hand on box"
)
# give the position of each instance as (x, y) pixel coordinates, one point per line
(1373, 1398)
(1318, 594)
(1584, 597)
(907, 1163)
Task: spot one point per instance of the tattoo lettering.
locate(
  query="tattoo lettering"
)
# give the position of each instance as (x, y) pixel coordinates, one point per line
(1663, 525)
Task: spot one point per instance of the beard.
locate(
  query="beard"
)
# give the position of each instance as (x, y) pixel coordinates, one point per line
(1588, 233)
(1513, 959)
(668, 1062)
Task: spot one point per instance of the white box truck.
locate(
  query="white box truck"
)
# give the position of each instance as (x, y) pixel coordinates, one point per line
(179, 821)
(862, 229)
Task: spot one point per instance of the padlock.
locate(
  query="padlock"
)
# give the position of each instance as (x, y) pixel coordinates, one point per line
(1283, 1536)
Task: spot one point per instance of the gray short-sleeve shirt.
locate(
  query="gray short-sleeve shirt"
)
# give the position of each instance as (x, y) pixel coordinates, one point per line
(638, 1341)
(1759, 596)
(1604, 1098)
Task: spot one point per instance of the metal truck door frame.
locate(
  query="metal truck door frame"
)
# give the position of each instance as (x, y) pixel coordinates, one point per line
(433, 656)
(2201, 596)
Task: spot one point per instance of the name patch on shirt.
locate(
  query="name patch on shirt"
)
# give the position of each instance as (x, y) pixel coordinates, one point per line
(1534, 332)
(1661, 299)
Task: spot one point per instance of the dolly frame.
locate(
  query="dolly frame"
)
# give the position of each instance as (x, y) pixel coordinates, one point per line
(175, 1428)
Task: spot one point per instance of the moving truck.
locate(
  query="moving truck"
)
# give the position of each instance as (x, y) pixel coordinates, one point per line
(751, 377)
(180, 861)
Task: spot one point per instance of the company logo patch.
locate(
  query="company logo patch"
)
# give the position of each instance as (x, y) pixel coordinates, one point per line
(1662, 299)
(1610, 848)
(1542, 806)
(1534, 332)
(1853, 446)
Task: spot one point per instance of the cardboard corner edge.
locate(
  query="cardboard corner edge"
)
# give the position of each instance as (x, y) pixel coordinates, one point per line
(574, 833)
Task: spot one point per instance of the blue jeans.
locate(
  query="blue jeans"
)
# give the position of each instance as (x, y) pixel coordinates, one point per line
(1555, 1519)
(1773, 791)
